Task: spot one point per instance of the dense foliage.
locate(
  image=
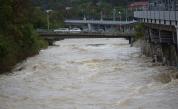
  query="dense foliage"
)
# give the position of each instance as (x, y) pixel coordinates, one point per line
(92, 9)
(18, 38)
(139, 29)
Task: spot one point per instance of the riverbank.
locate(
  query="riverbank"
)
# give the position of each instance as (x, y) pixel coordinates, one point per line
(19, 20)
(13, 51)
(163, 53)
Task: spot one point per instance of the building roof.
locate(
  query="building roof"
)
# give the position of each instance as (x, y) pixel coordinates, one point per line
(138, 4)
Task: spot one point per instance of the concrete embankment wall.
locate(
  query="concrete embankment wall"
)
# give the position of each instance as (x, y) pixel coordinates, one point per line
(164, 53)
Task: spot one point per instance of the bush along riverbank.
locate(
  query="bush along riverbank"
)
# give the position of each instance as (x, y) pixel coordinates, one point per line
(18, 38)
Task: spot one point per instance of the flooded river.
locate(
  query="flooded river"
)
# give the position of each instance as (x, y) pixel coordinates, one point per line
(89, 74)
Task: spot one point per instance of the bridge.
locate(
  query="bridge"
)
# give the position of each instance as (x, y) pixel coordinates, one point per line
(56, 36)
(125, 25)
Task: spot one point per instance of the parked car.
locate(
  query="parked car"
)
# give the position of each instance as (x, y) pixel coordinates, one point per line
(63, 30)
(85, 30)
(75, 30)
(100, 30)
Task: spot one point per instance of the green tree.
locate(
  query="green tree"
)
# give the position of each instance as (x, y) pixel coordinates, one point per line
(18, 38)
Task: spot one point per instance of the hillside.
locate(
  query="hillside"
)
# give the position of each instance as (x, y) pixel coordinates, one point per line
(77, 9)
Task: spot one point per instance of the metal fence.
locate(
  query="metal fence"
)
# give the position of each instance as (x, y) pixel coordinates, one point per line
(102, 22)
(157, 15)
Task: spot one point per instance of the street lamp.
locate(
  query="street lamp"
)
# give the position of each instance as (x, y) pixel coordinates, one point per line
(126, 14)
(67, 9)
(101, 14)
(119, 15)
(120, 18)
(48, 11)
(114, 14)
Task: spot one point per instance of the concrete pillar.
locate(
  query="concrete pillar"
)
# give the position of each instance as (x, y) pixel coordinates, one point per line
(159, 35)
(124, 28)
(150, 34)
(131, 40)
(105, 28)
(89, 27)
(70, 27)
(177, 35)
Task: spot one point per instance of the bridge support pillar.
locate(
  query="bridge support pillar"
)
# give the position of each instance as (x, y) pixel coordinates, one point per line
(177, 35)
(89, 27)
(131, 41)
(105, 28)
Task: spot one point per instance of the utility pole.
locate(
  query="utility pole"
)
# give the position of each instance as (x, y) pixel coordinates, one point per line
(48, 22)
(126, 14)
(126, 11)
(120, 18)
(114, 14)
(101, 14)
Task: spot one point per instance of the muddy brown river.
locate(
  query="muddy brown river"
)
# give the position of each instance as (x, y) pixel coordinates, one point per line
(89, 74)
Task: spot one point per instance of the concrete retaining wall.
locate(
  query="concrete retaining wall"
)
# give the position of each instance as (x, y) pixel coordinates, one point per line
(164, 53)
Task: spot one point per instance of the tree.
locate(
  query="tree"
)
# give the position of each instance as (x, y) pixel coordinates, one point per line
(18, 38)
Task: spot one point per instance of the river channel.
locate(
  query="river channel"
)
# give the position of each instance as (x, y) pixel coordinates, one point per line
(89, 74)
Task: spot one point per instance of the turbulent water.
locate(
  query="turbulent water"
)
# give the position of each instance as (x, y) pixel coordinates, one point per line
(89, 74)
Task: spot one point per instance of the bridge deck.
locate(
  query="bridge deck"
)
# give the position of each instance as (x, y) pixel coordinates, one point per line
(53, 36)
(85, 35)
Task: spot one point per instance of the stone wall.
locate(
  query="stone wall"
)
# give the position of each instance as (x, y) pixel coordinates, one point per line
(164, 53)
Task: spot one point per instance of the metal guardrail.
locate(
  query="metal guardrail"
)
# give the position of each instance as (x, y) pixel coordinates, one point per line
(104, 22)
(157, 15)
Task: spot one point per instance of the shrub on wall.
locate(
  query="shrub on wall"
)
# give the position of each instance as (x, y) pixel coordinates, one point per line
(139, 31)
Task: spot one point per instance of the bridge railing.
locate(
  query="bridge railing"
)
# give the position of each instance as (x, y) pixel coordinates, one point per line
(105, 22)
(162, 15)
(88, 33)
(158, 16)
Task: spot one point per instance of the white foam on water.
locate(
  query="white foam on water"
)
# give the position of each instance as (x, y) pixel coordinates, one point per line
(88, 74)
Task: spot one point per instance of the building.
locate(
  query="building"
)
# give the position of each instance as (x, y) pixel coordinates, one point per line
(163, 5)
(138, 6)
(154, 5)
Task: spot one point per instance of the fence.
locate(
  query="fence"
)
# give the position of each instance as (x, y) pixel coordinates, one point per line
(171, 16)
